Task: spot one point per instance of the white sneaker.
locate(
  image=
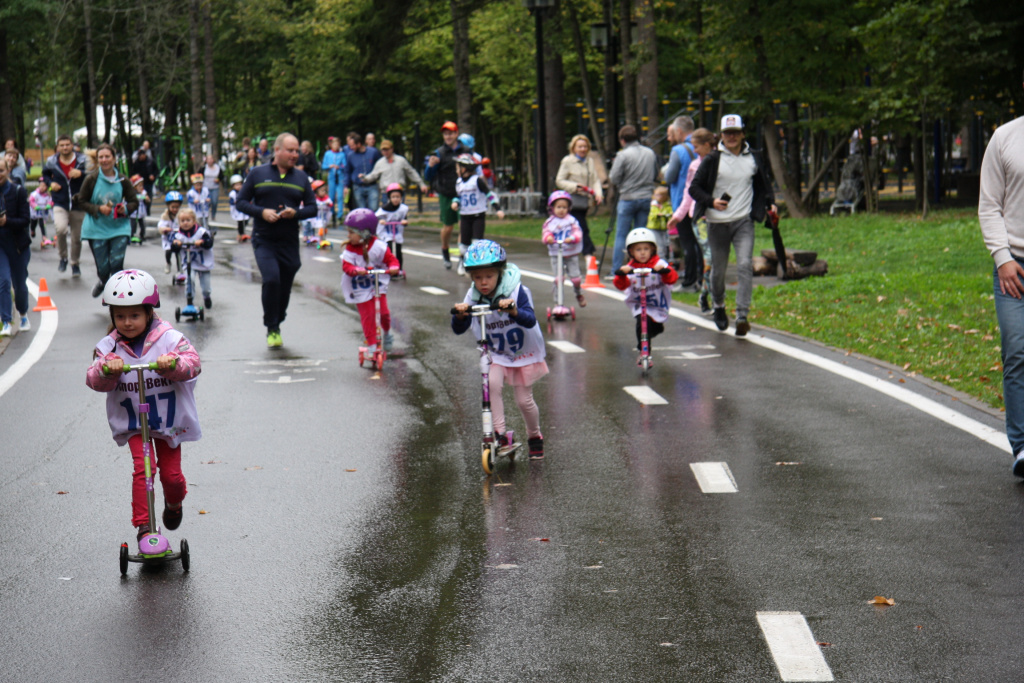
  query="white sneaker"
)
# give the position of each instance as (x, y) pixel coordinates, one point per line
(7, 330)
(167, 267)
(25, 325)
(462, 267)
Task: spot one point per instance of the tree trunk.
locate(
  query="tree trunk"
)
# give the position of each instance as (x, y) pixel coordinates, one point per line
(90, 101)
(588, 97)
(212, 132)
(628, 77)
(647, 76)
(7, 127)
(196, 114)
(794, 145)
(919, 176)
(554, 96)
(460, 62)
(123, 138)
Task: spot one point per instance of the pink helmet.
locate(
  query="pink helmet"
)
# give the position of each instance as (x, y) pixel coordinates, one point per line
(362, 221)
(559, 194)
(131, 288)
(393, 187)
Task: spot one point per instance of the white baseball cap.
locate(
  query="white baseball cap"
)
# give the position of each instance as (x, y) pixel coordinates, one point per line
(731, 122)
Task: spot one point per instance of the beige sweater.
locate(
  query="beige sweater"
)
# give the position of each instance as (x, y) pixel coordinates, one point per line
(1001, 206)
(572, 172)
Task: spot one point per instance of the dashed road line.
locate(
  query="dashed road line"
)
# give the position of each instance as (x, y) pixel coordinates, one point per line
(714, 477)
(566, 347)
(646, 395)
(323, 259)
(436, 291)
(794, 649)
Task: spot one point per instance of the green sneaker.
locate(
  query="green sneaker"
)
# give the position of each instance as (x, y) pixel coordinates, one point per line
(274, 339)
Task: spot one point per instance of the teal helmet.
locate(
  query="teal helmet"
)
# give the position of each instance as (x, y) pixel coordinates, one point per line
(484, 254)
(467, 140)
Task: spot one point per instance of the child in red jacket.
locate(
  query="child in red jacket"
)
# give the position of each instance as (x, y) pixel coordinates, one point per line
(365, 252)
(642, 246)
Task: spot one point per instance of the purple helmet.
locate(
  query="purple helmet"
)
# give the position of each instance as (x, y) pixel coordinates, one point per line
(559, 194)
(131, 288)
(362, 221)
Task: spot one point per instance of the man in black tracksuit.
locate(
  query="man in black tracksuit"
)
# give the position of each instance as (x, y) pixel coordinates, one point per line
(272, 194)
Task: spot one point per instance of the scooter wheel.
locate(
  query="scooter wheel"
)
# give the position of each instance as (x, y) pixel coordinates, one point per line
(361, 359)
(549, 313)
(177, 315)
(124, 559)
(202, 314)
(572, 313)
(487, 458)
(186, 561)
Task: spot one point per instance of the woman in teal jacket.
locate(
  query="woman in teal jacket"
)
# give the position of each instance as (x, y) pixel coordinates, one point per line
(108, 199)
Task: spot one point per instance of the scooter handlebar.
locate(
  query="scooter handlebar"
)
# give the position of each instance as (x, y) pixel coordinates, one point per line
(643, 271)
(377, 271)
(142, 366)
(479, 309)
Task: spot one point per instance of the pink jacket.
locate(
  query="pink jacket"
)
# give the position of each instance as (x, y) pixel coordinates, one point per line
(686, 206)
(187, 367)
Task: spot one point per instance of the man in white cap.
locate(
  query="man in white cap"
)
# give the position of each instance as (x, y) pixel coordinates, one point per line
(732, 191)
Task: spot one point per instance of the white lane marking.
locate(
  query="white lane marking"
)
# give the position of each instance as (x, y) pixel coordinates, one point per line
(566, 347)
(323, 259)
(285, 379)
(793, 647)
(690, 355)
(993, 437)
(436, 291)
(646, 395)
(229, 241)
(714, 477)
(40, 343)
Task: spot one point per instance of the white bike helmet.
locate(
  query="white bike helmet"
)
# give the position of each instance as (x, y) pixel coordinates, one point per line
(639, 235)
(236, 179)
(131, 288)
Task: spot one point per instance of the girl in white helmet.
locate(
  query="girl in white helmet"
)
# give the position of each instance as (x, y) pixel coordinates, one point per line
(240, 218)
(642, 247)
(138, 336)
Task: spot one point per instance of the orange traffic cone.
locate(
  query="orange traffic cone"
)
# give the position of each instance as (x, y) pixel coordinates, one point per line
(592, 281)
(44, 303)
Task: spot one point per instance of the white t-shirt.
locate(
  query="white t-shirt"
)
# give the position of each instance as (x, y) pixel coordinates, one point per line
(210, 176)
(359, 288)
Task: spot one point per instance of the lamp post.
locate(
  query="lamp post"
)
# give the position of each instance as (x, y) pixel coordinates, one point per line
(536, 8)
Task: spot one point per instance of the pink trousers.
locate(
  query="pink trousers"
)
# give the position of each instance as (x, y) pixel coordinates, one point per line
(167, 462)
(522, 389)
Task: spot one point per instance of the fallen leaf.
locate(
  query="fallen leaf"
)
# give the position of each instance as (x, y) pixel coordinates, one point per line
(202, 512)
(783, 462)
(502, 484)
(62, 493)
(822, 643)
(255, 467)
(351, 470)
(667, 644)
(876, 519)
(881, 298)
(880, 600)
(212, 462)
(902, 381)
(545, 540)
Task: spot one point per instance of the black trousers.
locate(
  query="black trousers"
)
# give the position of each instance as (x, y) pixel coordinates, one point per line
(654, 328)
(588, 243)
(278, 263)
(693, 257)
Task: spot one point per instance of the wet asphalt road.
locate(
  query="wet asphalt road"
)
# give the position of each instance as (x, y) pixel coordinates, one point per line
(349, 532)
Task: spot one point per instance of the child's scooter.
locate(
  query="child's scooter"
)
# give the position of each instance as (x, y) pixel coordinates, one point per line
(154, 548)
(378, 356)
(560, 311)
(644, 361)
(191, 310)
(489, 448)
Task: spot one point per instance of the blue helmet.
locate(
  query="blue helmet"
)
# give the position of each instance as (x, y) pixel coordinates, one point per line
(173, 196)
(484, 254)
(467, 140)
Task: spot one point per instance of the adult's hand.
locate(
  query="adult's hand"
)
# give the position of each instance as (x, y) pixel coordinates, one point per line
(720, 205)
(3, 220)
(434, 160)
(270, 216)
(54, 187)
(425, 189)
(672, 222)
(75, 173)
(287, 213)
(105, 210)
(1009, 279)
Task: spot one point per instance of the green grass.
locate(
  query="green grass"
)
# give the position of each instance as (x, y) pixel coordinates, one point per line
(917, 294)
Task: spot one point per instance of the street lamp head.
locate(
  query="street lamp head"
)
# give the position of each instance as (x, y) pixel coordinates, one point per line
(600, 36)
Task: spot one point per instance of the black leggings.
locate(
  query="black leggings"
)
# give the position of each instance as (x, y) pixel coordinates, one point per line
(241, 227)
(471, 228)
(588, 242)
(396, 249)
(40, 223)
(177, 257)
(654, 328)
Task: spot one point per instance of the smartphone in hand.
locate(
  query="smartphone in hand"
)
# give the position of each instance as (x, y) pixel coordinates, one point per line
(725, 197)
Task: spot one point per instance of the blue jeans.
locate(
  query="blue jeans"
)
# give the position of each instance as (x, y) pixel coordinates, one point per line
(13, 273)
(214, 197)
(336, 192)
(367, 196)
(632, 213)
(109, 255)
(1010, 313)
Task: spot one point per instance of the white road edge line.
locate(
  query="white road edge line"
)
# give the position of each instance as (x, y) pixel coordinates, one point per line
(645, 395)
(40, 343)
(793, 647)
(714, 477)
(436, 291)
(993, 437)
(566, 347)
